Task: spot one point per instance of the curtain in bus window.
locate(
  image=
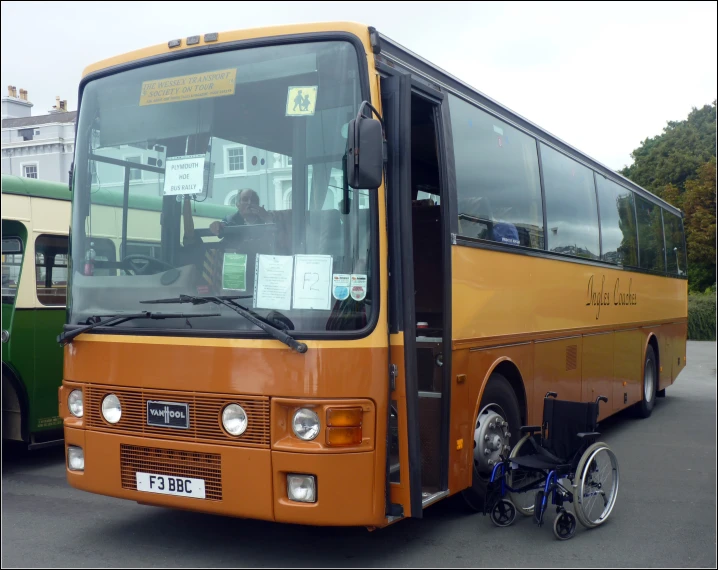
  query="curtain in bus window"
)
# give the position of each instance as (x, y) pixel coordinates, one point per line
(497, 179)
(675, 252)
(618, 223)
(571, 212)
(650, 234)
(51, 269)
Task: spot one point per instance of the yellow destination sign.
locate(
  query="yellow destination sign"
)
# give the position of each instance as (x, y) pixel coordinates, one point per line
(188, 87)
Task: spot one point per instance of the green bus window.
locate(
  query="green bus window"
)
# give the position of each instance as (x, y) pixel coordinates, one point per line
(618, 223)
(675, 251)
(11, 265)
(650, 234)
(51, 269)
(497, 179)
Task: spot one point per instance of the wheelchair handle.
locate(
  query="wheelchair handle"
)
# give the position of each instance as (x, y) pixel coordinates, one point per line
(551, 394)
(601, 399)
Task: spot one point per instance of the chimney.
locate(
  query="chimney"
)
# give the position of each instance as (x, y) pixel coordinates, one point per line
(63, 105)
(23, 94)
(11, 91)
(14, 107)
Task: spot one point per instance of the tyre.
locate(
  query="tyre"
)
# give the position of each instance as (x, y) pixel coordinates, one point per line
(564, 526)
(496, 432)
(503, 513)
(650, 385)
(518, 478)
(597, 479)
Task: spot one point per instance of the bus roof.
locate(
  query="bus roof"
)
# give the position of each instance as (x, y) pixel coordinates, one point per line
(105, 197)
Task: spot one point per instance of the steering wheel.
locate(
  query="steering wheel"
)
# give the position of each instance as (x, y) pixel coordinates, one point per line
(139, 269)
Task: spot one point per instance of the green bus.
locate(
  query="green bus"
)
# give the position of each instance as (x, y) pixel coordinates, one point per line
(35, 234)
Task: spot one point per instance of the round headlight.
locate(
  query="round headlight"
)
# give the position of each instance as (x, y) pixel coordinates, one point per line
(234, 419)
(305, 424)
(111, 409)
(74, 403)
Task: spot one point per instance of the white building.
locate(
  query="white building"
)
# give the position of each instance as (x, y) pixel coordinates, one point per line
(40, 146)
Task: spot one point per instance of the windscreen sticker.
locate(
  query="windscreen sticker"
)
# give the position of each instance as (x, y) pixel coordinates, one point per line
(273, 284)
(340, 286)
(234, 271)
(358, 286)
(188, 87)
(312, 282)
(301, 101)
(184, 175)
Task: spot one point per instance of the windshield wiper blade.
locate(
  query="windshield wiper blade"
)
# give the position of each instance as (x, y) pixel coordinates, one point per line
(66, 337)
(251, 316)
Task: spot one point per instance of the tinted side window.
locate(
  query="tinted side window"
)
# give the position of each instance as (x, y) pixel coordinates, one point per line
(571, 213)
(497, 179)
(618, 223)
(650, 234)
(51, 269)
(675, 252)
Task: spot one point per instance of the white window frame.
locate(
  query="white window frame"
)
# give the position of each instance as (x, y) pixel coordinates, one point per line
(37, 169)
(226, 158)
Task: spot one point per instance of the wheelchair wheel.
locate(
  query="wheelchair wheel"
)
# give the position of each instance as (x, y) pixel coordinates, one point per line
(596, 484)
(564, 526)
(503, 513)
(524, 502)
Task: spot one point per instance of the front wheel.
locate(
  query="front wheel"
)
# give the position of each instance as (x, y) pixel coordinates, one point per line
(496, 431)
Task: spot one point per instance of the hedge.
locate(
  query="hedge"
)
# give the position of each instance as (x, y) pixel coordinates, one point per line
(702, 316)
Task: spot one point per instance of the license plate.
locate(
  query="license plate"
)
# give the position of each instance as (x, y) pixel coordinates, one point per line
(170, 485)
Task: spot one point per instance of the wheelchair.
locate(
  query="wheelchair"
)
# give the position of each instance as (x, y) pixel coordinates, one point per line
(564, 464)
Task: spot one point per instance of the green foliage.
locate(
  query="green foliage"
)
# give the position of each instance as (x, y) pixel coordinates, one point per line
(702, 316)
(679, 165)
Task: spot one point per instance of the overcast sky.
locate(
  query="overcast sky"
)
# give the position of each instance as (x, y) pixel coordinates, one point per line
(600, 76)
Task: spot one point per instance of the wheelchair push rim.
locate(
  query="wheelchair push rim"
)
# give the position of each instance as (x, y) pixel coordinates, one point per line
(597, 485)
(520, 478)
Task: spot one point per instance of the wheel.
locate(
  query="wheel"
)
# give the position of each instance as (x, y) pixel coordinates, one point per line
(597, 479)
(650, 384)
(131, 262)
(517, 478)
(498, 415)
(503, 513)
(564, 526)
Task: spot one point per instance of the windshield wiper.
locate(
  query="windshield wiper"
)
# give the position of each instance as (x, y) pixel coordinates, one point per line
(251, 316)
(66, 337)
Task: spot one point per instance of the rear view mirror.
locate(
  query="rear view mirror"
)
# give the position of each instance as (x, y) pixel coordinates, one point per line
(365, 153)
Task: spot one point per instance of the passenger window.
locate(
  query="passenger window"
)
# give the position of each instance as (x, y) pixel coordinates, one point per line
(11, 265)
(675, 251)
(51, 269)
(571, 212)
(650, 234)
(618, 223)
(497, 179)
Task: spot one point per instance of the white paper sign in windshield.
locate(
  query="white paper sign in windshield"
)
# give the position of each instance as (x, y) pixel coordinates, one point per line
(184, 175)
(273, 284)
(312, 282)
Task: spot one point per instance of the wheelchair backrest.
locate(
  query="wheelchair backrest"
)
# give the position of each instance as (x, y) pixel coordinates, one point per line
(562, 421)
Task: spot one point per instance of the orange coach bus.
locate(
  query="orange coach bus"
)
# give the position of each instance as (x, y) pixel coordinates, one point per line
(396, 270)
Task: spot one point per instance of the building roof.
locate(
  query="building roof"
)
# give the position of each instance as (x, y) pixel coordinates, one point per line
(68, 117)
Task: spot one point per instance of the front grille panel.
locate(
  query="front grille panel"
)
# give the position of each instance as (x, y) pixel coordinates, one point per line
(205, 415)
(206, 466)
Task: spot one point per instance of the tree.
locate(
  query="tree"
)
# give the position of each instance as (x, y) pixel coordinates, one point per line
(699, 203)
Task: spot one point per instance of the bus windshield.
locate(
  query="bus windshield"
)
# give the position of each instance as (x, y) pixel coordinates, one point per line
(221, 174)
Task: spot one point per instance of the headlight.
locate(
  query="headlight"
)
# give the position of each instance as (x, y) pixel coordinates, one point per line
(75, 458)
(74, 403)
(111, 408)
(234, 419)
(306, 424)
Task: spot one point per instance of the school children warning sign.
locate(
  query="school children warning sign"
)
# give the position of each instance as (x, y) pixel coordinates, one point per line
(188, 87)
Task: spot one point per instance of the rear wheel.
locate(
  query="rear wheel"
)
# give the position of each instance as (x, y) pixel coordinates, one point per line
(495, 433)
(596, 486)
(650, 385)
(520, 478)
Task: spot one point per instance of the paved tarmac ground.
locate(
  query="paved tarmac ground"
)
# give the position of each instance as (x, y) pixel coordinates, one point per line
(665, 515)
